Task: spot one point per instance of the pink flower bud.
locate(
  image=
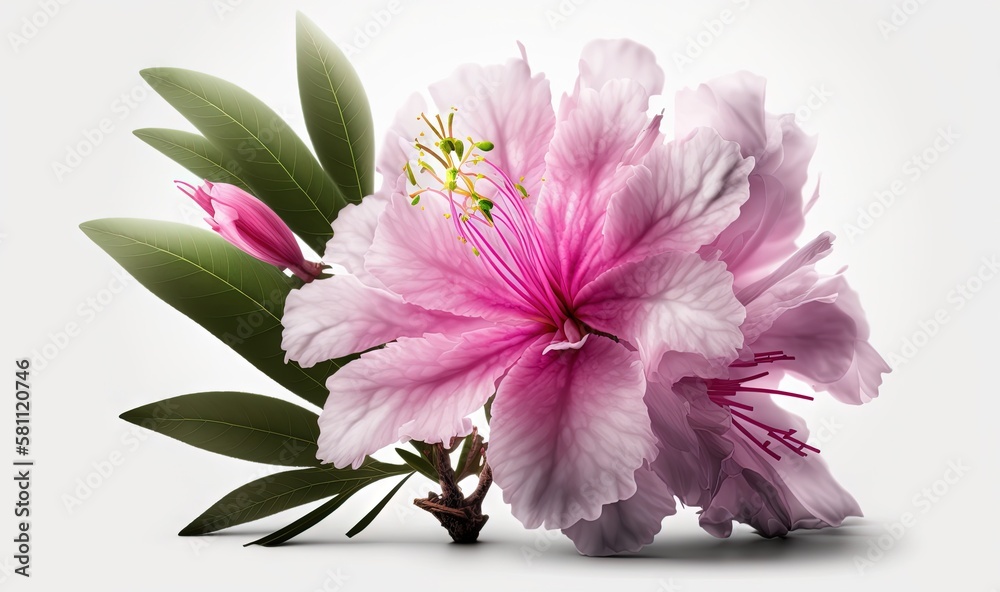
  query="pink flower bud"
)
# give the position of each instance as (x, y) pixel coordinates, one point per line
(248, 223)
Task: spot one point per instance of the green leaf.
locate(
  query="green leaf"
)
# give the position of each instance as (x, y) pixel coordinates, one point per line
(266, 153)
(282, 491)
(241, 425)
(464, 455)
(235, 297)
(364, 522)
(488, 408)
(418, 464)
(196, 154)
(336, 111)
(306, 522)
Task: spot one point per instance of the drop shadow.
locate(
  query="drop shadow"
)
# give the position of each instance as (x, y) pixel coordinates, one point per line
(691, 547)
(744, 546)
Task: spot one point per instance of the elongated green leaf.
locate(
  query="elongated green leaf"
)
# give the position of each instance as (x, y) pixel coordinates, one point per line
(363, 524)
(283, 491)
(418, 464)
(241, 425)
(336, 111)
(195, 153)
(266, 153)
(464, 455)
(237, 298)
(306, 522)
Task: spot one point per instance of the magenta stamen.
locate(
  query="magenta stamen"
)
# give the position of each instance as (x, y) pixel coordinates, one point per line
(775, 392)
(763, 358)
(720, 389)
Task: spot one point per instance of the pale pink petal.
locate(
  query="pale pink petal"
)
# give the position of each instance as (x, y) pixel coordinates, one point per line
(569, 431)
(354, 228)
(818, 335)
(691, 432)
(858, 373)
(398, 144)
(338, 316)
(353, 234)
(807, 256)
(775, 496)
(792, 284)
(507, 106)
(861, 382)
(603, 60)
(682, 196)
(647, 140)
(733, 105)
(763, 234)
(773, 217)
(672, 302)
(797, 150)
(419, 389)
(584, 172)
(627, 525)
(417, 254)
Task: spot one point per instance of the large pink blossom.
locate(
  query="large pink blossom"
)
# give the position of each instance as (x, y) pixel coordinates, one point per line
(724, 445)
(551, 260)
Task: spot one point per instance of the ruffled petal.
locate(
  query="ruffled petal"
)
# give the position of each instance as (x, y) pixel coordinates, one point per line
(861, 382)
(419, 389)
(733, 105)
(569, 430)
(507, 106)
(628, 525)
(773, 217)
(603, 60)
(338, 316)
(793, 283)
(672, 302)
(819, 336)
(397, 147)
(683, 195)
(763, 234)
(354, 228)
(583, 173)
(775, 496)
(416, 254)
(691, 432)
(353, 233)
(797, 150)
(829, 339)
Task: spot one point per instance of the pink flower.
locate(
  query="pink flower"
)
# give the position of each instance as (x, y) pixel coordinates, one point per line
(251, 226)
(551, 260)
(725, 446)
(772, 219)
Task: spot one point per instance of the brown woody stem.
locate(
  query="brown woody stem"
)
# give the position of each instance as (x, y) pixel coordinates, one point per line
(461, 516)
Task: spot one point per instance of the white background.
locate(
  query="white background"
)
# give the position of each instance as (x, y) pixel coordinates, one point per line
(885, 95)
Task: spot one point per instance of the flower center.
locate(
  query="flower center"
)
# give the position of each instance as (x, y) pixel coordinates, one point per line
(487, 211)
(721, 391)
